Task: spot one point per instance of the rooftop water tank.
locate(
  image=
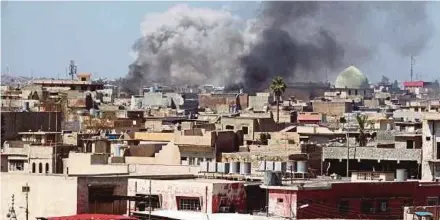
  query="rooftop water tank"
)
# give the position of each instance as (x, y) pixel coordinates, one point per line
(234, 167)
(245, 168)
(223, 168)
(280, 166)
(290, 166)
(212, 167)
(269, 165)
(301, 167)
(204, 166)
(272, 178)
(401, 175)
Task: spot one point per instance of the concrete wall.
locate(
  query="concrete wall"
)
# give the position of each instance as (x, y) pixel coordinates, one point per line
(282, 203)
(332, 108)
(82, 164)
(49, 195)
(34, 121)
(209, 191)
(162, 169)
(373, 153)
(430, 137)
(119, 184)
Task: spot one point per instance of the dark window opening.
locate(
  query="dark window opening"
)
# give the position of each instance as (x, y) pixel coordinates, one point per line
(47, 168)
(349, 92)
(154, 200)
(189, 203)
(280, 200)
(355, 92)
(40, 168)
(409, 144)
(245, 130)
(344, 206)
(428, 138)
(367, 206)
(431, 201)
(229, 127)
(33, 168)
(438, 150)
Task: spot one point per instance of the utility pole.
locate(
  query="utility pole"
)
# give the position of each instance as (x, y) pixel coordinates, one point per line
(412, 67)
(149, 201)
(26, 190)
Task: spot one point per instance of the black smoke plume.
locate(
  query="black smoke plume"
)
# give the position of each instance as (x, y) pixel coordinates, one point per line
(301, 41)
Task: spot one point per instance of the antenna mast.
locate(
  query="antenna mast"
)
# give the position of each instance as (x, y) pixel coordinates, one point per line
(412, 65)
(72, 69)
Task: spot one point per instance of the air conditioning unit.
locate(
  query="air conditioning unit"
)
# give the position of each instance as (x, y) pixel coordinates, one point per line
(224, 209)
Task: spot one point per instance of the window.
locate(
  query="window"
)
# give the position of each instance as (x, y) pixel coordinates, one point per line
(16, 165)
(367, 206)
(431, 201)
(47, 168)
(438, 150)
(142, 205)
(382, 206)
(428, 138)
(229, 127)
(344, 206)
(245, 130)
(409, 144)
(189, 203)
(33, 167)
(349, 92)
(279, 200)
(355, 92)
(40, 168)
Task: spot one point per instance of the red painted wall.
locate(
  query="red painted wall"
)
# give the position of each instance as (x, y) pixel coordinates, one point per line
(233, 195)
(324, 203)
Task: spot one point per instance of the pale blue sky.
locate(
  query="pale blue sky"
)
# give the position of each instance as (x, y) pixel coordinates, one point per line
(42, 37)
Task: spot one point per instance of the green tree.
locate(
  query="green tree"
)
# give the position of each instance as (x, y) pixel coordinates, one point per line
(278, 87)
(362, 121)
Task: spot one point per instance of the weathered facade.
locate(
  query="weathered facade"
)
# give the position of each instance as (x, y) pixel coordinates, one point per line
(200, 195)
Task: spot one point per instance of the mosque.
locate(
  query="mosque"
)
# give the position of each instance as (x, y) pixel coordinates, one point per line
(351, 84)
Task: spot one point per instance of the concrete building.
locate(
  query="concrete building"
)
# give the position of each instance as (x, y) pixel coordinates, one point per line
(61, 195)
(197, 195)
(36, 152)
(223, 102)
(189, 147)
(431, 147)
(30, 121)
(369, 198)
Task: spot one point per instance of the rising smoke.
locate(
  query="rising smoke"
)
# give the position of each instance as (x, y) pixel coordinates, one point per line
(301, 41)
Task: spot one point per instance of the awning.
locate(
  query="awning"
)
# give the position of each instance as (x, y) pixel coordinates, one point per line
(421, 214)
(92, 217)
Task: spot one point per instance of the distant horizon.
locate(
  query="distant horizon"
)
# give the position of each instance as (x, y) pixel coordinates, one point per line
(42, 43)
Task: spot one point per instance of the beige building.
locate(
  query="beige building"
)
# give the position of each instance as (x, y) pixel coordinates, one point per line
(431, 147)
(35, 153)
(61, 195)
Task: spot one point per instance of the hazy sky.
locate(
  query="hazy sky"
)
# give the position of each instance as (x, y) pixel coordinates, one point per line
(40, 38)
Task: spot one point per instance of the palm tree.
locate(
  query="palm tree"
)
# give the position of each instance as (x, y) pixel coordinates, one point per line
(278, 87)
(362, 121)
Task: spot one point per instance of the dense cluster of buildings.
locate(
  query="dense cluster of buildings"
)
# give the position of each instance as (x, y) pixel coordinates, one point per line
(351, 150)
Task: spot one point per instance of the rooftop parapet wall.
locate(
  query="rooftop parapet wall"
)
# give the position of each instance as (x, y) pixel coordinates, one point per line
(372, 153)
